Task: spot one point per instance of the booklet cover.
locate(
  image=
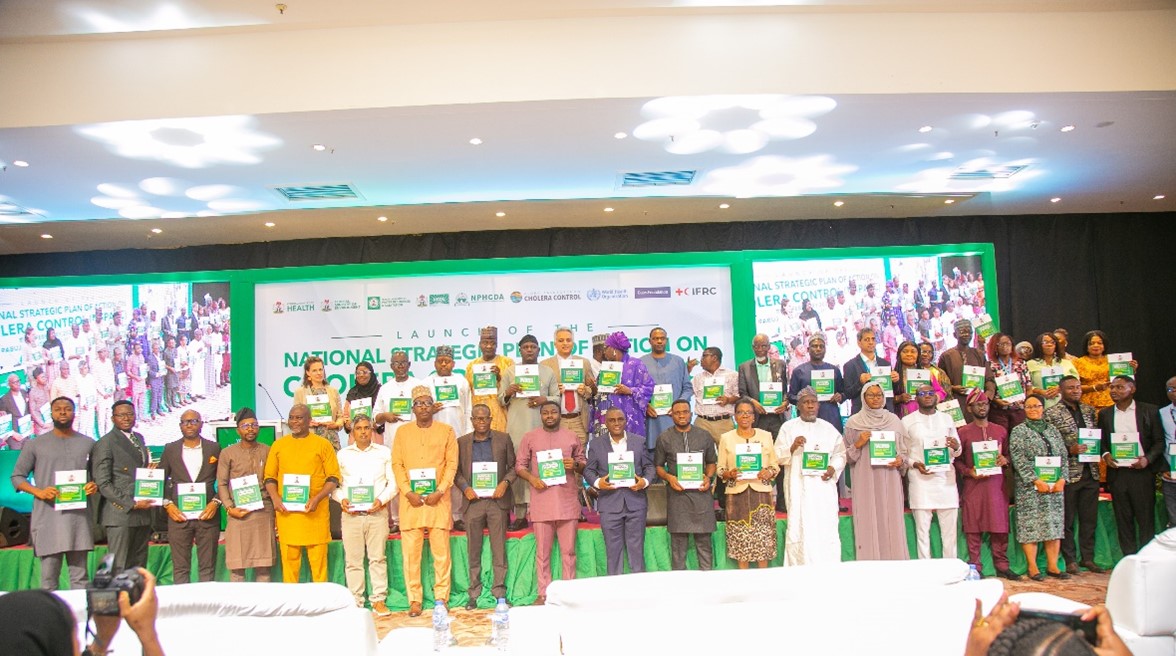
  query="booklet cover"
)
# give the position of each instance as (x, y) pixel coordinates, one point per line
(191, 499)
(320, 407)
(662, 399)
(484, 479)
(246, 491)
(883, 448)
(621, 470)
(149, 485)
(360, 494)
(551, 467)
(1092, 439)
(1125, 448)
(1051, 377)
(984, 457)
(881, 375)
(973, 377)
(713, 387)
(1119, 364)
(361, 407)
(936, 456)
(485, 380)
(1047, 468)
(295, 491)
(571, 375)
(610, 377)
(690, 470)
(952, 407)
(1009, 388)
(71, 489)
(771, 396)
(823, 382)
(445, 392)
(423, 481)
(916, 378)
(527, 378)
(749, 460)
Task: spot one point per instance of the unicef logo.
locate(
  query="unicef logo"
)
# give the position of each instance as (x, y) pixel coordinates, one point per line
(516, 297)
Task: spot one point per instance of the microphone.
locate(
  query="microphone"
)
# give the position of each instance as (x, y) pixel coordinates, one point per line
(271, 400)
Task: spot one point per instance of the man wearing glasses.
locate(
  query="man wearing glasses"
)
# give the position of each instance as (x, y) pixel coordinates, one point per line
(189, 470)
(115, 458)
(249, 534)
(933, 444)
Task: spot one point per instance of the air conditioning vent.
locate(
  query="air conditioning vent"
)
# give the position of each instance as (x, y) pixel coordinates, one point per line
(988, 173)
(305, 193)
(656, 178)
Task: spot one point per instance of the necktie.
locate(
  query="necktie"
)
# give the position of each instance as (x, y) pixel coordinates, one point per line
(569, 401)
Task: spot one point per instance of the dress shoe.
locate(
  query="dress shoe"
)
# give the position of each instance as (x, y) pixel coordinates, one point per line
(472, 604)
(459, 526)
(1037, 577)
(1090, 566)
(1072, 568)
(414, 609)
(540, 600)
(1058, 575)
(394, 530)
(518, 525)
(381, 609)
(720, 515)
(1009, 574)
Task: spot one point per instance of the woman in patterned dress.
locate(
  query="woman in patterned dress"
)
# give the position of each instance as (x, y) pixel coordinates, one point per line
(1039, 512)
(751, 515)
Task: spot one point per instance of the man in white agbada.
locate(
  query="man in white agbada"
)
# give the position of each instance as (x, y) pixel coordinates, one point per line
(812, 536)
(932, 488)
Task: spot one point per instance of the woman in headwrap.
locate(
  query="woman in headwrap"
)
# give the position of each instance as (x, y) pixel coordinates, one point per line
(366, 386)
(878, 525)
(634, 391)
(54, 354)
(1039, 505)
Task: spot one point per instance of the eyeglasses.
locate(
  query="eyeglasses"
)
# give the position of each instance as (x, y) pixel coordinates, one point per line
(927, 393)
(1171, 389)
(419, 404)
(190, 422)
(248, 425)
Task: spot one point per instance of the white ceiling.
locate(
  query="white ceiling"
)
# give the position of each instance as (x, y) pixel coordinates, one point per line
(773, 154)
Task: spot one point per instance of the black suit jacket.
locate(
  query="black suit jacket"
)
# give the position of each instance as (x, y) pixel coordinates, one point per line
(749, 386)
(1151, 436)
(174, 470)
(503, 452)
(112, 464)
(851, 375)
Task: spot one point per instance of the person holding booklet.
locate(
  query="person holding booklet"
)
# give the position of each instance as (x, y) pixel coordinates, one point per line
(966, 367)
(876, 447)
(485, 374)
(823, 377)
(522, 414)
(249, 530)
(1037, 451)
(812, 455)
(685, 459)
(450, 392)
(984, 506)
(1076, 422)
(631, 391)
(621, 469)
(59, 461)
(868, 366)
(671, 382)
(576, 379)
(424, 462)
(933, 445)
(189, 466)
(1168, 478)
(361, 399)
(301, 471)
(1133, 450)
(1046, 370)
(15, 404)
(119, 458)
(485, 473)
(39, 398)
(911, 376)
(393, 410)
(326, 410)
(368, 485)
(548, 459)
(747, 462)
(1011, 375)
(763, 381)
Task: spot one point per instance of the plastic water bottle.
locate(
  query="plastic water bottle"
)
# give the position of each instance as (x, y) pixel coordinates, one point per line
(500, 626)
(973, 574)
(440, 626)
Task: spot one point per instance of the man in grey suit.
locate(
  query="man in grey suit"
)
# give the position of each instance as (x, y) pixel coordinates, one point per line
(115, 458)
(191, 459)
(762, 369)
(492, 512)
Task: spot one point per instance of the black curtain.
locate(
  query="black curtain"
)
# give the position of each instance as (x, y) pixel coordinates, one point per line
(1077, 271)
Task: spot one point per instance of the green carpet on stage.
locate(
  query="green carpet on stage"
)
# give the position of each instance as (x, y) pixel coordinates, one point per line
(20, 569)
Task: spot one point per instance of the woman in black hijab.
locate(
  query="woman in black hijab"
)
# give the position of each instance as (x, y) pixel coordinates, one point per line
(365, 389)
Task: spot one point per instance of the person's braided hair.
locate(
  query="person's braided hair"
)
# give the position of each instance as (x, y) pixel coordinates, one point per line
(1039, 637)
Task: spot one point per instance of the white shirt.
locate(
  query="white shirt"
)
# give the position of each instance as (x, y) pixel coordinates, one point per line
(458, 417)
(1124, 420)
(394, 389)
(370, 466)
(193, 458)
(933, 490)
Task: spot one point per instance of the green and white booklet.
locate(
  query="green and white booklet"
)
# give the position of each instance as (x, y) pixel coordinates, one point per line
(423, 481)
(571, 374)
(662, 399)
(320, 407)
(1009, 388)
(360, 493)
(814, 458)
(191, 498)
(1048, 469)
(1119, 364)
(149, 485)
(5, 426)
(551, 467)
(295, 492)
(621, 469)
(690, 470)
(527, 378)
(749, 460)
(972, 377)
(985, 455)
(881, 375)
(1092, 439)
(984, 326)
(916, 378)
(46, 412)
(246, 491)
(771, 396)
(24, 426)
(713, 387)
(936, 456)
(361, 406)
(484, 479)
(610, 377)
(445, 391)
(952, 407)
(1051, 377)
(1172, 459)
(401, 406)
(823, 382)
(883, 448)
(71, 489)
(1125, 448)
(485, 380)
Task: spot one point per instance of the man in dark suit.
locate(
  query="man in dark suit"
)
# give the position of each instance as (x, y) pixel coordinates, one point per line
(16, 405)
(1132, 486)
(622, 509)
(752, 374)
(191, 459)
(857, 372)
(484, 446)
(114, 460)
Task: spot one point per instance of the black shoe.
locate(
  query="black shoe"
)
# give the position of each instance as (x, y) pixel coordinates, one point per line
(518, 525)
(1072, 568)
(472, 604)
(1009, 574)
(1088, 565)
(1038, 577)
(394, 530)
(1058, 575)
(720, 515)
(459, 526)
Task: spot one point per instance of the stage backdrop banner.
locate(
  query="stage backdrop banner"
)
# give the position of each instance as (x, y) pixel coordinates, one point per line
(349, 321)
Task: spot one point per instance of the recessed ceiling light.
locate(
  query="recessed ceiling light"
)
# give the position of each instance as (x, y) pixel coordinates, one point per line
(319, 147)
(949, 201)
(269, 224)
(476, 141)
(381, 218)
(608, 209)
(1055, 200)
(838, 203)
(724, 206)
(1067, 128)
(1158, 197)
(500, 214)
(46, 236)
(620, 135)
(156, 230)
(925, 129)
(20, 162)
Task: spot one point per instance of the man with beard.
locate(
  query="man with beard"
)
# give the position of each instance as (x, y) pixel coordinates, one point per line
(479, 453)
(932, 491)
(812, 536)
(249, 534)
(983, 503)
(523, 416)
(689, 511)
(802, 377)
(488, 345)
(191, 460)
(666, 369)
(953, 360)
(116, 457)
(1132, 486)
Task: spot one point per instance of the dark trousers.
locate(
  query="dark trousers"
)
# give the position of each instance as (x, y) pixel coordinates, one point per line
(181, 537)
(1134, 496)
(771, 423)
(486, 514)
(1081, 504)
(1169, 489)
(128, 545)
(624, 531)
(680, 542)
(998, 542)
